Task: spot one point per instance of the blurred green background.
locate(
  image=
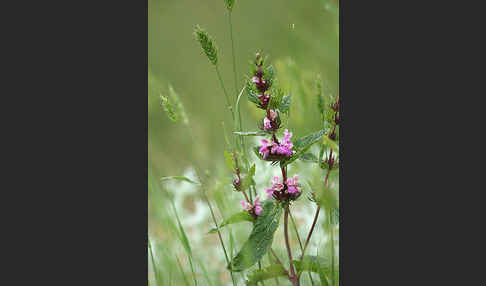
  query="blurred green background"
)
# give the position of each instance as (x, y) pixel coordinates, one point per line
(301, 41)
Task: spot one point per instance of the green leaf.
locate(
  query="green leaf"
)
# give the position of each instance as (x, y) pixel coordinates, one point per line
(180, 178)
(255, 150)
(285, 104)
(275, 99)
(252, 133)
(303, 142)
(260, 239)
(308, 157)
(251, 93)
(236, 218)
(317, 264)
(272, 271)
(269, 75)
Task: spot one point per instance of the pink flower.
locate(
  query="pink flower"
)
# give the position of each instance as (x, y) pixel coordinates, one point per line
(264, 150)
(293, 185)
(246, 206)
(276, 183)
(269, 192)
(257, 205)
(266, 124)
(255, 79)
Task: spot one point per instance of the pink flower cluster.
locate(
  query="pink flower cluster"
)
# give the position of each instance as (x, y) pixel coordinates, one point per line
(282, 148)
(277, 186)
(257, 206)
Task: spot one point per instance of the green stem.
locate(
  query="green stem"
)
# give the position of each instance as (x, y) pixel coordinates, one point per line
(235, 75)
(155, 268)
(331, 231)
(225, 93)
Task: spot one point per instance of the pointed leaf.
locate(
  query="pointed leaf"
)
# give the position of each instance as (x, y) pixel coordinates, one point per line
(272, 271)
(308, 157)
(303, 142)
(260, 239)
(236, 218)
(180, 178)
(317, 264)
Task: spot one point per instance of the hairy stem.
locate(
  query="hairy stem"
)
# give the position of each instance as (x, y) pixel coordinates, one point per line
(310, 232)
(293, 278)
(300, 243)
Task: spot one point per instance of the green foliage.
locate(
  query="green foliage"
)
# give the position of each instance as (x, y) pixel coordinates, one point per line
(304, 141)
(269, 73)
(179, 108)
(317, 264)
(207, 44)
(260, 239)
(158, 277)
(236, 218)
(180, 178)
(308, 157)
(229, 4)
(302, 144)
(251, 92)
(166, 103)
(286, 101)
(173, 106)
(272, 271)
(275, 99)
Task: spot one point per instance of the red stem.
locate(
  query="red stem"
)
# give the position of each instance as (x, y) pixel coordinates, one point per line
(293, 278)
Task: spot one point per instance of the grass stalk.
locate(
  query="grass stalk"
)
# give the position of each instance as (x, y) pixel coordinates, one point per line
(229, 106)
(154, 265)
